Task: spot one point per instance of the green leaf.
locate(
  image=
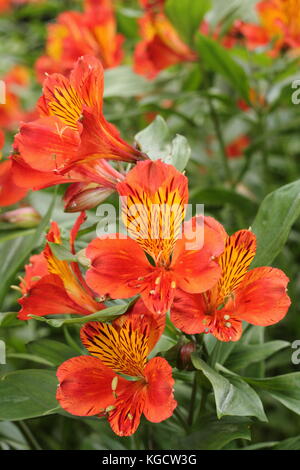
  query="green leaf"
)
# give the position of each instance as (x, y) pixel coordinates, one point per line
(186, 16)
(27, 394)
(245, 354)
(51, 351)
(155, 141)
(108, 314)
(284, 388)
(180, 152)
(217, 59)
(9, 319)
(233, 397)
(123, 82)
(61, 252)
(220, 196)
(273, 222)
(293, 443)
(214, 434)
(15, 255)
(12, 436)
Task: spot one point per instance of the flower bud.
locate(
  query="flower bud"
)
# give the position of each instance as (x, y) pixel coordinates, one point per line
(24, 217)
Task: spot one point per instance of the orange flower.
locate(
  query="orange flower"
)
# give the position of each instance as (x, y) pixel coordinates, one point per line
(257, 296)
(92, 385)
(75, 34)
(62, 282)
(10, 193)
(69, 141)
(11, 111)
(161, 45)
(154, 195)
(237, 147)
(279, 22)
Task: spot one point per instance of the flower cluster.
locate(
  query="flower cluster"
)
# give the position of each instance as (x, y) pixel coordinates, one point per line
(208, 288)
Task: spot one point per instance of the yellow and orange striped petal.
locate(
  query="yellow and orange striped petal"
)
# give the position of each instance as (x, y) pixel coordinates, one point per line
(240, 249)
(154, 195)
(122, 349)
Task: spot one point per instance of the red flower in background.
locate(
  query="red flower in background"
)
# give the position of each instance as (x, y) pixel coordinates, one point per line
(257, 296)
(52, 286)
(279, 23)
(147, 186)
(237, 147)
(75, 34)
(6, 5)
(161, 45)
(91, 385)
(72, 137)
(11, 112)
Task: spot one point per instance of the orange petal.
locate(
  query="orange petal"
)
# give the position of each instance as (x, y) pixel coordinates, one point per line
(10, 193)
(117, 267)
(85, 386)
(159, 404)
(262, 297)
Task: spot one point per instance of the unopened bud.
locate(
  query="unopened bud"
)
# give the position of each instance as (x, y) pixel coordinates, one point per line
(184, 357)
(24, 217)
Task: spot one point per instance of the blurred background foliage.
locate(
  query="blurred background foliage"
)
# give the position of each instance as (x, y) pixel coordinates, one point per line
(183, 95)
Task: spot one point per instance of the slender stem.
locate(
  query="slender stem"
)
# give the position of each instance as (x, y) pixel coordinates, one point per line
(29, 436)
(181, 419)
(203, 403)
(218, 129)
(193, 401)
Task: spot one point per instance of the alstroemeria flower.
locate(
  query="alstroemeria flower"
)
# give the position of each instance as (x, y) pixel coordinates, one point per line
(94, 385)
(52, 286)
(161, 45)
(257, 296)
(71, 140)
(279, 22)
(75, 34)
(120, 267)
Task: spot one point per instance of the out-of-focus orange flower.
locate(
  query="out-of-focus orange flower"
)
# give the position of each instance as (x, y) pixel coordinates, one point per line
(153, 196)
(255, 99)
(75, 34)
(62, 282)
(228, 39)
(11, 111)
(279, 23)
(161, 45)
(257, 296)
(91, 385)
(237, 147)
(72, 138)
(6, 5)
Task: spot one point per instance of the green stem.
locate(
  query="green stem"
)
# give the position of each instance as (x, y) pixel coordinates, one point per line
(218, 129)
(181, 419)
(193, 401)
(29, 436)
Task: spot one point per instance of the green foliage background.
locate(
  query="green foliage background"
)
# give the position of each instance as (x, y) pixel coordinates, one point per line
(260, 190)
